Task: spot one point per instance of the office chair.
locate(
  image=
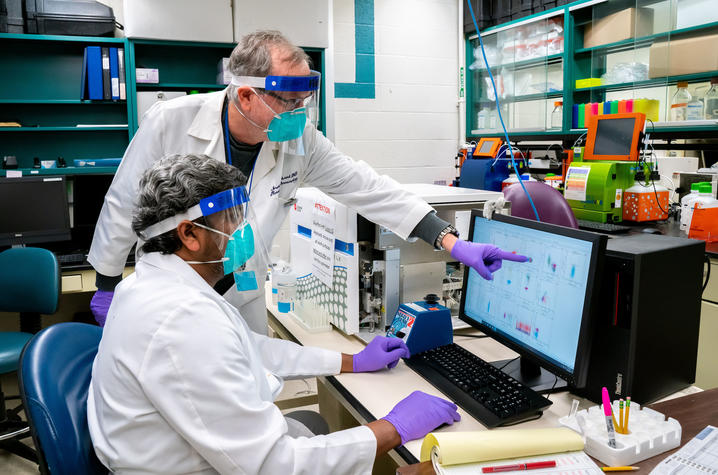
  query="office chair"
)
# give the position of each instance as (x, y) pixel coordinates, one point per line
(30, 285)
(552, 207)
(55, 371)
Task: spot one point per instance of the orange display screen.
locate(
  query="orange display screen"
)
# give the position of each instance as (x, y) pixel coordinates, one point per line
(487, 147)
(614, 136)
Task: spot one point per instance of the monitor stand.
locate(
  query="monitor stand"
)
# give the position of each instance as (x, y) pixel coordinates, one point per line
(532, 375)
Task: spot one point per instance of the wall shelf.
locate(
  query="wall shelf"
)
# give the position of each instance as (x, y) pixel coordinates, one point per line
(169, 85)
(524, 98)
(63, 129)
(64, 171)
(528, 63)
(61, 38)
(652, 82)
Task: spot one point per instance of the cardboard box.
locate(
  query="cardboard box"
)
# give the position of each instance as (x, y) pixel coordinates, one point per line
(628, 23)
(684, 56)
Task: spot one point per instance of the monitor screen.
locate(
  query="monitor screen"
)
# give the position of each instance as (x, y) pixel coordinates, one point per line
(486, 147)
(614, 136)
(33, 210)
(538, 308)
(88, 196)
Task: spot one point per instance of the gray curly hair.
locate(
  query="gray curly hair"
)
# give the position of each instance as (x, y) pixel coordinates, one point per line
(253, 55)
(174, 184)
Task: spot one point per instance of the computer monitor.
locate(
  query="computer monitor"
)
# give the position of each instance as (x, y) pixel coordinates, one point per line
(88, 196)
(614, 136)
(542, 308)
(34, 210)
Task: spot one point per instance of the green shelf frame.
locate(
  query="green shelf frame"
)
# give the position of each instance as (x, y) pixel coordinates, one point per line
(62, 38)
(525, 98)
(170, 85)
(64, 171)
(644, 41)
(527, 63)
(62, 129)
(571, 59)
(651, 82)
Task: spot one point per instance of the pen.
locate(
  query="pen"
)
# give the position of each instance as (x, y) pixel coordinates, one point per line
(628, 409)
(519, 466)
(619, 469)
(609, 418)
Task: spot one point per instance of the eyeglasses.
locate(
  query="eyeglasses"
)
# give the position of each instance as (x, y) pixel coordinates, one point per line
(289, 104)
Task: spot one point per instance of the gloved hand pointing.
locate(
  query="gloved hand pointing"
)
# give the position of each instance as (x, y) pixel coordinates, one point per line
(484, 258)
(99, 305)
(419, 413)
(381, 352)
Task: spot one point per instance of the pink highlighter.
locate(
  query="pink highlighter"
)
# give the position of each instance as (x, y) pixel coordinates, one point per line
(609, 418)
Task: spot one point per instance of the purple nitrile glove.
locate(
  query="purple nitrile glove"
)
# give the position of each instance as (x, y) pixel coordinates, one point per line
(381, 352)
(419, 413)
(99, 305)
(484, 258)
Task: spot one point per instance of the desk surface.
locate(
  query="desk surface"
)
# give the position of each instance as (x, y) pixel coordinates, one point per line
(373, 395)
(694, 412)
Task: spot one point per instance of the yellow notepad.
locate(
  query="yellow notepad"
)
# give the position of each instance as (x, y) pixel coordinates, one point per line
(465, 447)
(453, 452)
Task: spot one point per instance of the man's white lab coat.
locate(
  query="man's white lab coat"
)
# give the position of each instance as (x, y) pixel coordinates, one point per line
(180, 384)
(192, 124)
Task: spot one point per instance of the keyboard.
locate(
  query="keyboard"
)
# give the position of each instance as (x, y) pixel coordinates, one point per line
(608, 228)
(491, 396)
(69, 259)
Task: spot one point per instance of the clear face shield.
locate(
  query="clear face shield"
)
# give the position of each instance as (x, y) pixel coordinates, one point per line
(229, 216)
(294, 101)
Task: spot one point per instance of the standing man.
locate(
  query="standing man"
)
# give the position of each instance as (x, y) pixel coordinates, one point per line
(264, 123)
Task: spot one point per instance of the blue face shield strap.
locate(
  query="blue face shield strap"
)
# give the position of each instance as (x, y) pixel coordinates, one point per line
(281, 83)
(207, 206)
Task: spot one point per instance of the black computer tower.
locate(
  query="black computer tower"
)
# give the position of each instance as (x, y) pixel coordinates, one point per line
(646, 335)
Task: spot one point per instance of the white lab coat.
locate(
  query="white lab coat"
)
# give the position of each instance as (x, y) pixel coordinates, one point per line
(181, 385)
(192, 124)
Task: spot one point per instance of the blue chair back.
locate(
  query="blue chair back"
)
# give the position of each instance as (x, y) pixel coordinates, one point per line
(55, 371)
(29, 280)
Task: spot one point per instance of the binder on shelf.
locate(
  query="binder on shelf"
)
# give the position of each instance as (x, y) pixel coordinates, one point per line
(93, 73)
(83, 81)
(106, 90)
(121, 72)
(114, 75)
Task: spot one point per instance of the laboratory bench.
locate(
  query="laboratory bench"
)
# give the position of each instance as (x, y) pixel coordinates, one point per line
(351, 399)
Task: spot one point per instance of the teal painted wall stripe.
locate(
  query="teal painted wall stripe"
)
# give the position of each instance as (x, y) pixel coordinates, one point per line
(364, 85)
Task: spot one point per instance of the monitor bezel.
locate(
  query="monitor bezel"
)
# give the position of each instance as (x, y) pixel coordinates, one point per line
(496, 143)
(576, 379)
(638, 126)
(46, 235)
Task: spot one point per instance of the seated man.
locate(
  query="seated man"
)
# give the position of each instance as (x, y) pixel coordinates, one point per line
(181, 385)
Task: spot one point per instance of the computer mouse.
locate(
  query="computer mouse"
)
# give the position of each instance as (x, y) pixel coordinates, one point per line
(651, 231)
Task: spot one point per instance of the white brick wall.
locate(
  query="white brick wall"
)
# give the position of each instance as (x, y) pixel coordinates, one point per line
(409, 131)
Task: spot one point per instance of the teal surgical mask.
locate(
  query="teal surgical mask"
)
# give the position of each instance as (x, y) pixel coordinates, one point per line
(286, 126)
(240, 247)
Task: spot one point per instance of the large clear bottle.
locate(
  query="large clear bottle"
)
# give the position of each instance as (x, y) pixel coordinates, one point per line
(557, 115)
(711, 101)
(679, 103)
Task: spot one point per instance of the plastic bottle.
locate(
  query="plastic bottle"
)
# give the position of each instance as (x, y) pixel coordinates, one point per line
(483, 118)
(512, 179)
(679, 103)
(557, 115)
(694, 109)
(643, 202)
(286, 289)
(686, 208)
(711, 101)
(703, 200)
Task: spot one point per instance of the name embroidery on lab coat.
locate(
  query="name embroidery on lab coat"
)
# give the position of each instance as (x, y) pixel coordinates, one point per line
(286, 180)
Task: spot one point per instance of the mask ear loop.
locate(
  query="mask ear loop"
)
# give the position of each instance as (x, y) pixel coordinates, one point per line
(217, 261)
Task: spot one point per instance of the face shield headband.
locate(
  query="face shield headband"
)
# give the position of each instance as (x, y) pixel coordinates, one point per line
(296, 95)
